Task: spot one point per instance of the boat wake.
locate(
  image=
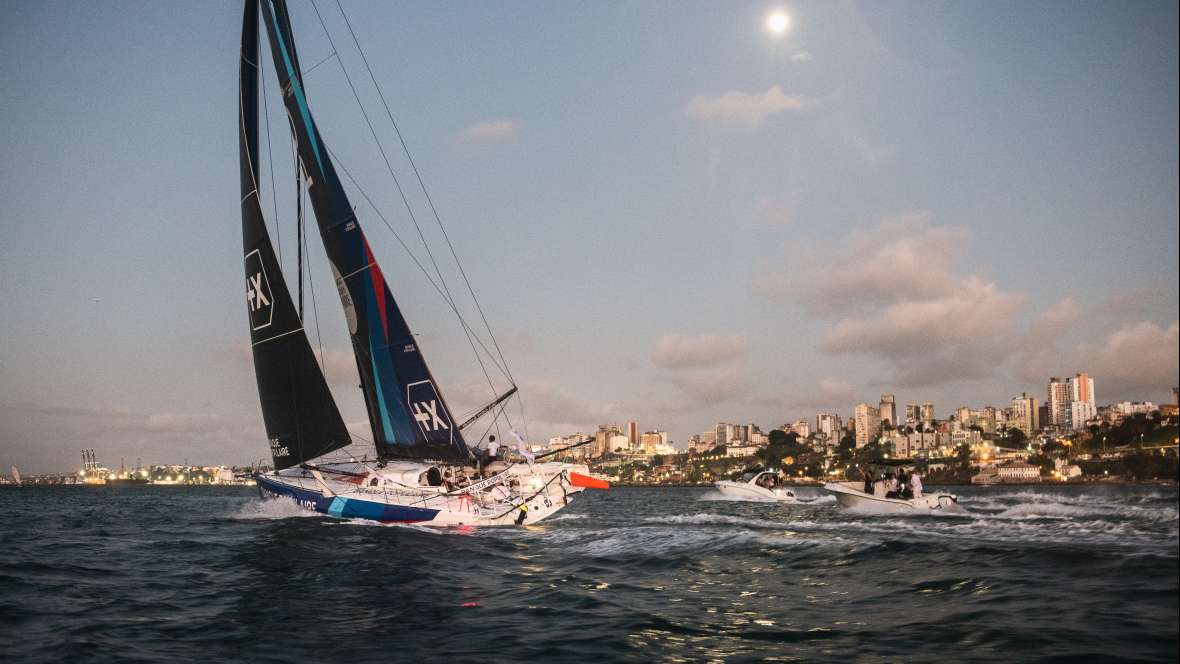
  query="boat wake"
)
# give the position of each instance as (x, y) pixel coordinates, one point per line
(277, 508)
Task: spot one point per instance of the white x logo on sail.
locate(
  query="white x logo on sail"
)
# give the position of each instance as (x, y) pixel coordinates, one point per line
(427, 414)
(254, 294)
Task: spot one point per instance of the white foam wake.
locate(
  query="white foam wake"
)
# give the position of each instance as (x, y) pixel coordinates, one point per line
(272, 508)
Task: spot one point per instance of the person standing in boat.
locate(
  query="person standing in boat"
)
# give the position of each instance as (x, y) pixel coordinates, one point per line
(916, 483)
(891, 486)
(881, 487)
(868, 483)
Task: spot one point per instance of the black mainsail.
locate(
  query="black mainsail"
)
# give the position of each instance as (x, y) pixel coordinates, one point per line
(406, 410)
(301, 418)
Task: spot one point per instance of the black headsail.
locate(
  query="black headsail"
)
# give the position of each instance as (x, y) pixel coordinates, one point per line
(302, 421)
(406, 410)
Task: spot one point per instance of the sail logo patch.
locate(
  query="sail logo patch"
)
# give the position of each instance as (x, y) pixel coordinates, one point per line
(427, 415)
(428, 411)
(278, 449)
(259, 299)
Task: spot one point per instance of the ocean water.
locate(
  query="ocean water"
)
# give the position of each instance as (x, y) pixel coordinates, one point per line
(650, 575)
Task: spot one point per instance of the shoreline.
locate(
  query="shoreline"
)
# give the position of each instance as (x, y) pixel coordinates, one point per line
(1094, 482)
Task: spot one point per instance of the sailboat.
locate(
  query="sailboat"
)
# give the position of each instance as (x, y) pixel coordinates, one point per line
(422, 469)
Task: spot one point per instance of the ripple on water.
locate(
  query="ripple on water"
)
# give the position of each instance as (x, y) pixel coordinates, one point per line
(622, 575)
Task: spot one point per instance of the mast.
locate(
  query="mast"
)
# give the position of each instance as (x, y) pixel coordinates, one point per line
(406, 409)
(301, 418)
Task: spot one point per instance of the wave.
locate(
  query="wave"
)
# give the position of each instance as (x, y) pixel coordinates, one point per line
(566, 517)
(714, 519)
(272, 508)
(667, 542)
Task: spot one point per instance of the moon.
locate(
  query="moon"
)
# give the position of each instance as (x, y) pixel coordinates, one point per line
(778, 22)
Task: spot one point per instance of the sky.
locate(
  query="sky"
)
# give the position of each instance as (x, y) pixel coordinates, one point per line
(669, 213)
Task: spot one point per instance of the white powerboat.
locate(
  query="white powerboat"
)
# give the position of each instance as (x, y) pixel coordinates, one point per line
(759, 487)
(851, 495)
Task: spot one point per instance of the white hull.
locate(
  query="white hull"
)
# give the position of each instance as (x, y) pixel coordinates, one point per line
(852, 498)
(750, 490)
(397, 493)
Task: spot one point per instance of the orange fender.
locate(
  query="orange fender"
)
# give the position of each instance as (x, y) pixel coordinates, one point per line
(588, 482)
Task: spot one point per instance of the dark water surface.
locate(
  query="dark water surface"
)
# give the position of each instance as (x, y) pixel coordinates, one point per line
(188, 573)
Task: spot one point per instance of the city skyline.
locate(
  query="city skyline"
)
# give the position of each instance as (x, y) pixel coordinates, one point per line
(949, 206)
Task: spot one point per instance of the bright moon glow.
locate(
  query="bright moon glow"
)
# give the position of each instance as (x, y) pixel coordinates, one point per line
(778, 22)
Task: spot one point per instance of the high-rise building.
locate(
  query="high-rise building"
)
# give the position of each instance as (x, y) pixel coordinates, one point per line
(603, 439)
(1025, 414)
(926, 414)
(698, 444)
(913, 414)
(1079, 412)
(868, 424)
(888, 408)
(709, 438)
(986, 419)
(802, 428)
(633, 434)
(618, 443)
(1081, 388)
(828, 425)
(964, 416)
(650, 441)
(724, 433)
(1057, 401)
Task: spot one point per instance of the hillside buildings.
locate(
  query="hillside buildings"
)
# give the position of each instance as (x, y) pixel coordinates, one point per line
(888, 409)
(868, 423)
(1025, 414)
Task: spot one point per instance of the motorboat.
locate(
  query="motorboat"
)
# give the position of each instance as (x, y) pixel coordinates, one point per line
(852, 496)
(761, 486)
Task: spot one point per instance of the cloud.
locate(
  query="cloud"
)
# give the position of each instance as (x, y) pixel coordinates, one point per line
(555, 410)
(904, 258)
(828, 394)
(710, 386)
(910, 328)
(1037, 352)
(499, 130)
(894, 295)
(678, 351)
(802, 56)
(703, 370)
(1135, 362)
(745, 109)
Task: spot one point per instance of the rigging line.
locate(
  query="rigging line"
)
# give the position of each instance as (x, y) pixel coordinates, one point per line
(405, 201)
(411, 254)
(315, 312)
(489, 427)
(472, 338)
(422, 185)
(380, 148)
(270, 166)
(328, 57)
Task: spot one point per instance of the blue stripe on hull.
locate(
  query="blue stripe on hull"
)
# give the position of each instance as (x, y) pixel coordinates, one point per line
(345, 508)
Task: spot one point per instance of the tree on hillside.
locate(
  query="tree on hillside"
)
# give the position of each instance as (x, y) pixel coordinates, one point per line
(1014, 437)
(781, 445)
(963, 456)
